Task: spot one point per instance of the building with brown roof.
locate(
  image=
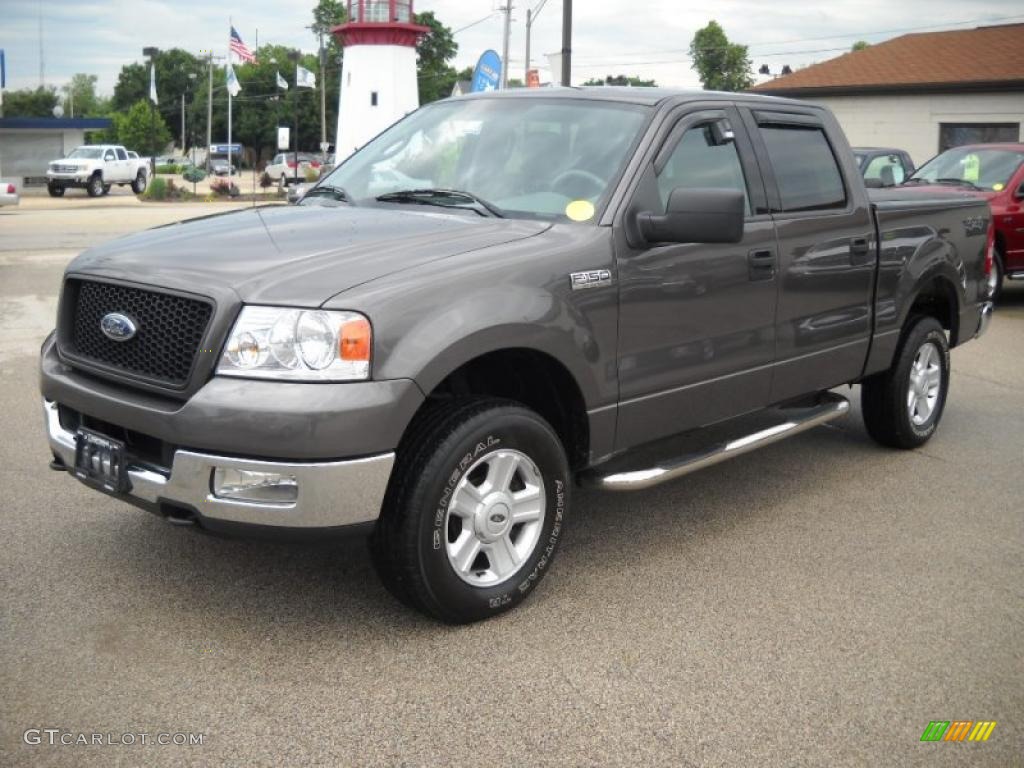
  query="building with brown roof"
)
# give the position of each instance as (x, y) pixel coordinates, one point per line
(922, 92)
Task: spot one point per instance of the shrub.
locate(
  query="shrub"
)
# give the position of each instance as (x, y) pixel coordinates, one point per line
(193, 174)
(223, 187)
(168, 169)
(265, 181)
(311, 174)
(157, 190)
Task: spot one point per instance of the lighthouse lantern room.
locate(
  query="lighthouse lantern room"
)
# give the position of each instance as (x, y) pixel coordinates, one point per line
(378, 74)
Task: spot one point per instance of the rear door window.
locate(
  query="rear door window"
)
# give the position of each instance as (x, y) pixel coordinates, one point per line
(806, 170)
(121, 154)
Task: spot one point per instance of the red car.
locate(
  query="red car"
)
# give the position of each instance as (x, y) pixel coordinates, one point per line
(995, 172)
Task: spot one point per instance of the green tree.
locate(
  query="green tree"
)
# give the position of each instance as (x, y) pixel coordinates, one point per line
(80, 96)
(29, 102)
(634, 81)
(140, 129)
(860, 45)
(721, 65)
(173, 68)
(436, 78)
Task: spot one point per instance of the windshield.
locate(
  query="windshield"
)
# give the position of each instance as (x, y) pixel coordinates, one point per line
(536, 158)
(87, 153)
(989, 169)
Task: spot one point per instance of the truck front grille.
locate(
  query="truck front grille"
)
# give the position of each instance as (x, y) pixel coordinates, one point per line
(169, 330)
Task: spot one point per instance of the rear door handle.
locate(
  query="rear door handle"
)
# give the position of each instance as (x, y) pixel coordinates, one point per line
(860, 251)
(761, 264)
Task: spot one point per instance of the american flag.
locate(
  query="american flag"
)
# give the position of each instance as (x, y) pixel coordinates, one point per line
(239, 48)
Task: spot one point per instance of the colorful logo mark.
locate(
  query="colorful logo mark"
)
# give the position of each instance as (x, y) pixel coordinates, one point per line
(958, 730)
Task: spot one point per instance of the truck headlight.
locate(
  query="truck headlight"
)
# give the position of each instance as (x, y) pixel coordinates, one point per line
(298, 345)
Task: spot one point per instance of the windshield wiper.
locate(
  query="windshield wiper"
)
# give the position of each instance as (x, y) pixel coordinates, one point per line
(329, 190)
(438, 196)
(958, 181)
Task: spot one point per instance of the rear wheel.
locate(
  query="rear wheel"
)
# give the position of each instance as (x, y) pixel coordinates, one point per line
(139, 184)
(95, 186)
(475, 510)
(55, 190)
(902, 406)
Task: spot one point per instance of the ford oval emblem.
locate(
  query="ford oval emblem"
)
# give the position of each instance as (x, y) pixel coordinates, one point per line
(118, 327)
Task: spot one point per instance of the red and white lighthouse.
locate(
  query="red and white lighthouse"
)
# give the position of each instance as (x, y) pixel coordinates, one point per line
(378, 77)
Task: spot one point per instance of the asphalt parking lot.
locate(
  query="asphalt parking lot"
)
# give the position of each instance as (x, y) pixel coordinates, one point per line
(816, 603)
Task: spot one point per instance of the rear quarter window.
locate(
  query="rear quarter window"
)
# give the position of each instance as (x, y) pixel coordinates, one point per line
(805, 167)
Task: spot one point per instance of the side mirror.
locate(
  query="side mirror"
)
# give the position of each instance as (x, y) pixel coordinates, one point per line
(873, 183)
(701, 215)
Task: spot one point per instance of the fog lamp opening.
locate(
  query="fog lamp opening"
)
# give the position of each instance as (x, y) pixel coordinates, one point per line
(254, 486)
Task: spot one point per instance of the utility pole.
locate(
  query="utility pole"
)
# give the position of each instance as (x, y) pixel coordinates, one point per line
(504, 50)
(566, 42)
(531, 16)
(42, 69)
(182, 123)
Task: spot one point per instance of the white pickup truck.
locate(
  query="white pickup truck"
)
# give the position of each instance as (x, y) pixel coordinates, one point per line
(96, 168)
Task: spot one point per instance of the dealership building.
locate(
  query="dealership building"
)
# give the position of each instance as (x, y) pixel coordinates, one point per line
(28, 144)
(921, 92)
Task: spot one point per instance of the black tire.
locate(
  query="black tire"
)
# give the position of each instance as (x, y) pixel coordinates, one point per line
(55, 190)
(998, 273)
(95, 186)
(106, 189)
(440, 450)
(139, 184)
(884, 396)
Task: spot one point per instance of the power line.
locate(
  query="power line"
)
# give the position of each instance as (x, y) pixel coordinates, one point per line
(491, 15)
(818, 39)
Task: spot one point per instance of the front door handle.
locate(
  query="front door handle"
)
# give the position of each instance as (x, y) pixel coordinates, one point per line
(860, 251)
(761, 264)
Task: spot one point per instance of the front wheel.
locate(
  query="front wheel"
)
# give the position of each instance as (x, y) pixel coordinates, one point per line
(902, 406)
(55, 190)
(995, 278)
(475, 510)
(95, 186)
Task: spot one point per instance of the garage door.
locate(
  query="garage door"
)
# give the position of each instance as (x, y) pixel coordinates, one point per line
(25, 154)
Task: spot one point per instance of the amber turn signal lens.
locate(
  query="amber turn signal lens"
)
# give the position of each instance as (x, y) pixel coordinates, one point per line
(354, 340)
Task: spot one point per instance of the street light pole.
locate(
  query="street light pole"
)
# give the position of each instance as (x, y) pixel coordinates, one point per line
(293, 56)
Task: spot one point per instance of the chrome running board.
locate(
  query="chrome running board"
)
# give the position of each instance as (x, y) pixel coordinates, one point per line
(795, 420)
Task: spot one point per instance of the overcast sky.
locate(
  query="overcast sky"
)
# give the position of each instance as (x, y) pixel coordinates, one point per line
(633, 37)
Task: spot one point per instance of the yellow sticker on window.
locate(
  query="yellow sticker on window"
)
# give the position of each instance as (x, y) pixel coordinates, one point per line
(997, 187)
(580, 210)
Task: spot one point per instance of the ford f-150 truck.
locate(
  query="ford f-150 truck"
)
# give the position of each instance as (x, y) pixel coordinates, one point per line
(96, 168)
(498, 298)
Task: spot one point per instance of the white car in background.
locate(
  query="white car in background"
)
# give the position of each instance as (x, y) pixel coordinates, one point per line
(281, 168)
(96, 168)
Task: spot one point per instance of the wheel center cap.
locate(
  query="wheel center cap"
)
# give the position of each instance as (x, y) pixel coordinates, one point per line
(494, 520)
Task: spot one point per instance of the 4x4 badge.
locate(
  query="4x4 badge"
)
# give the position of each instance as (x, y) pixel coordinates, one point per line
(594, 278)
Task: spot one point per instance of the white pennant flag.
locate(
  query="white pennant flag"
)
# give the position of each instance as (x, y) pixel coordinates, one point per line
(304, 78)
(281, 82)
(233, 85)
(152, 83)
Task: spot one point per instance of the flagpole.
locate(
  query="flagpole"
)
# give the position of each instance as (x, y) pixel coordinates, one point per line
(231, 27)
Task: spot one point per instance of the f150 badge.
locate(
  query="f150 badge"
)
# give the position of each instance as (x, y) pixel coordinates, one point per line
(594, 278)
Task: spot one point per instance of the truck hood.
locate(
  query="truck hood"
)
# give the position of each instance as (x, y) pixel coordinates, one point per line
(295, 255)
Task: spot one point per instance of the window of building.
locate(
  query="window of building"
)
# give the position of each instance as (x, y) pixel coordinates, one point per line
(373, 98)
(698, 162)
(958, 134)
(806, 170)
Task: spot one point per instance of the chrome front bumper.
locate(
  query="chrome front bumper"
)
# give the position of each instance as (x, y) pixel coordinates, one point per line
(330, 494)
(984, 318)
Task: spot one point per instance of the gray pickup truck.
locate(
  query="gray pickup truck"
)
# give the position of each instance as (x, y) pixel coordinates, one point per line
(500, 297)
